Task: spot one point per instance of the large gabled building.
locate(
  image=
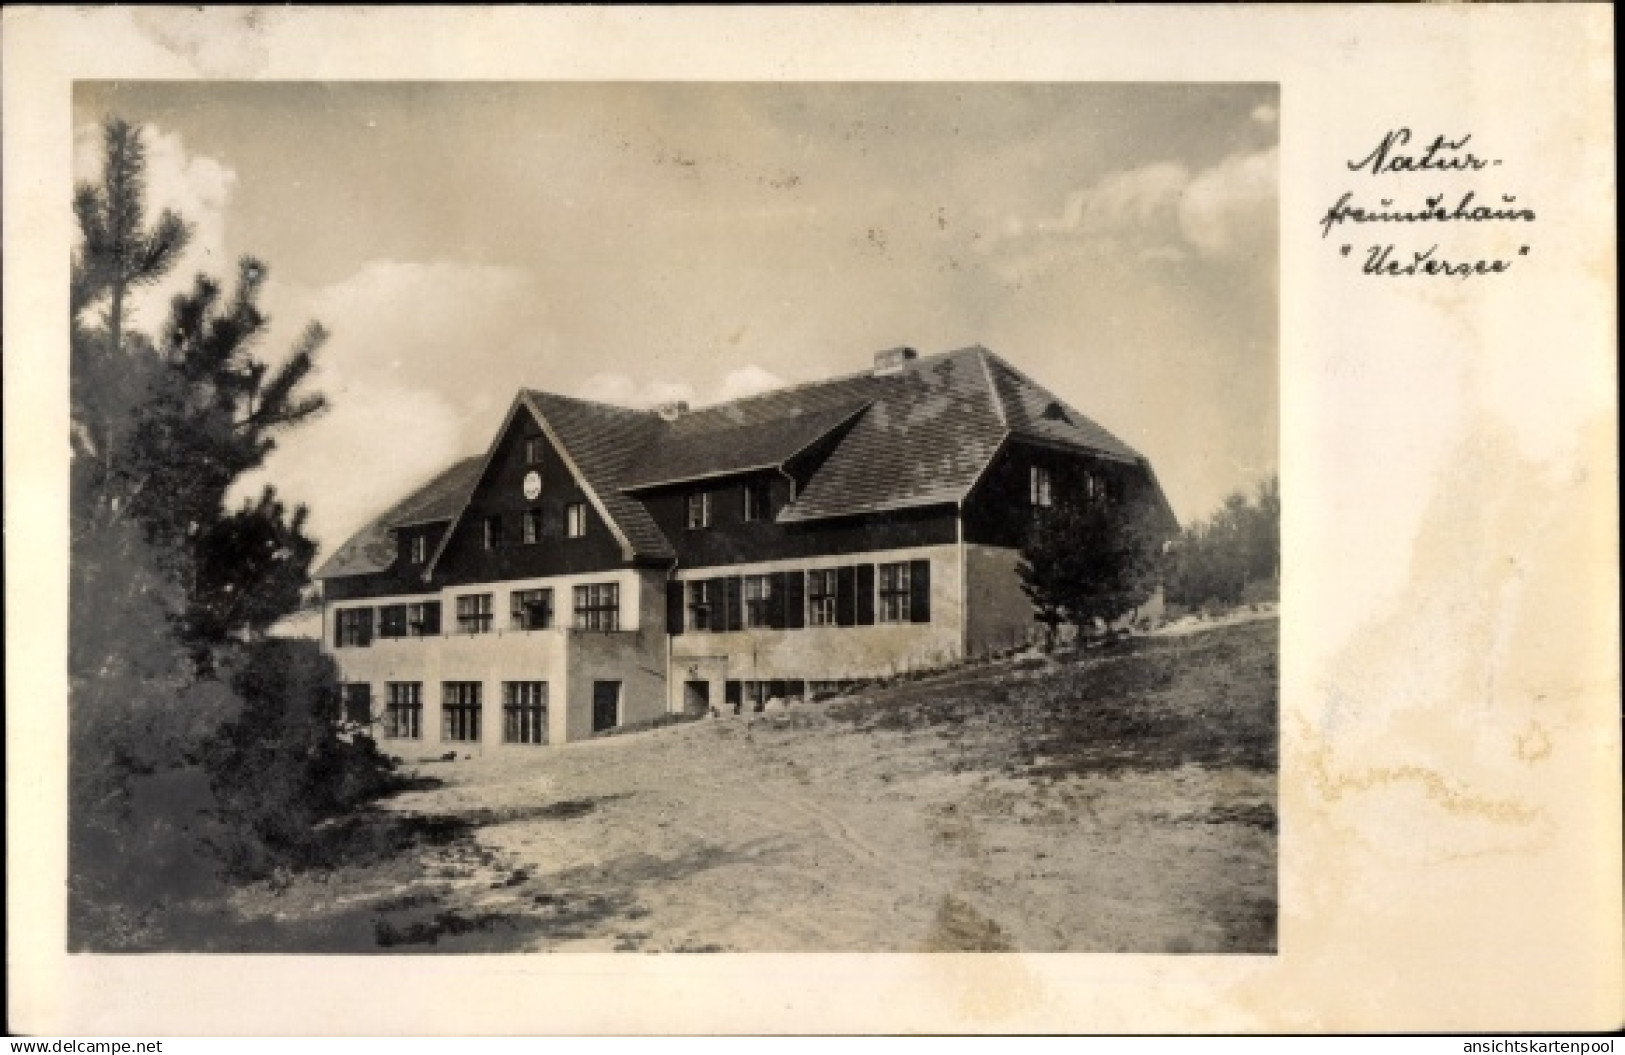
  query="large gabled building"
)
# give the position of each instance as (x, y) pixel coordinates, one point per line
(600, 566)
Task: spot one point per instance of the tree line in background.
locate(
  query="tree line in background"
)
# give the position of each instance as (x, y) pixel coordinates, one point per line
(189, 727)
(1089, 562)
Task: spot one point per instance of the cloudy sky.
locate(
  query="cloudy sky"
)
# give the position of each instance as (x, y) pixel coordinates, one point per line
(643, 242)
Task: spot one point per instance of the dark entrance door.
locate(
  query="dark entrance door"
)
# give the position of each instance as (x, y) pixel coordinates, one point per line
(606, 705)
(696, 697)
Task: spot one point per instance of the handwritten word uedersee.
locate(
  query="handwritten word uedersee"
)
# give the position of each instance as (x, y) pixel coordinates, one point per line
(1388, 160)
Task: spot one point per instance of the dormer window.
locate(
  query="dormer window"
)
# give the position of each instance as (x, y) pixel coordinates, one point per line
(699, 510)
(1055, 412)
(419, 548)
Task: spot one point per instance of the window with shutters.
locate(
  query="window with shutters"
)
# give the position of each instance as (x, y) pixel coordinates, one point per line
(474, 613)
(821, 597)
(758, 600)
(703, 605)
(524, 712)
(1042, 487)
(354, 628)
(530, 609)
(598, 606)
(423, 620)
(403, 710)
(530, 527)
(699, 510)
(575, 519)
(758, 501)
(460, 711)
(392, 620)
(894, 593)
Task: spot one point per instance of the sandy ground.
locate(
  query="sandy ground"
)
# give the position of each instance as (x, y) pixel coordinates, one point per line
(859, 825)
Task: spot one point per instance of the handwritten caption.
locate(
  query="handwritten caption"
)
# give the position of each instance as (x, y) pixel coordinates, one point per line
(1390, 161)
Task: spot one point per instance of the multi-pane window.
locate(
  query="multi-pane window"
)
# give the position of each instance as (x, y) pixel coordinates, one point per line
(575, 519)
(423, 619)
(530, 527)
(460, 711)
(535, 449)
(403, 710)
(392, 620)
(357, 702)
(821, 597)
(704, 606)
(757, 693)
(420, 548)
(699, 510)
(1094, 486)
(1042, 487)
(758, 600)
(531, 609)
(474, 613)
(354, 628)
(524, 712)
(598, 606)
(894, 591)
(493, 532)
(758, 500)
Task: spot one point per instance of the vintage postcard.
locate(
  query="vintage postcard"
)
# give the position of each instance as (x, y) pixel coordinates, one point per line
(851, 520)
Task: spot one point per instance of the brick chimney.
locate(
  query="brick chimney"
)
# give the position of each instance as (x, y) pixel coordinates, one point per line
(891, 360)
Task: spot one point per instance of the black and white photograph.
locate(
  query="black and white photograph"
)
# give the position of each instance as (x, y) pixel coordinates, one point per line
(797, 521)
(672, 517)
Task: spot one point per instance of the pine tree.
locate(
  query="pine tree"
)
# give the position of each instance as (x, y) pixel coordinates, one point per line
(1090, 560)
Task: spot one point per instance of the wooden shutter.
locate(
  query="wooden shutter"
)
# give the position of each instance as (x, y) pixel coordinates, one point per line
(776, 600)
(919, 591)
(366, 626)
(736, 603)
(338, 627)
(674, 606)
(846, 590)
(431, 618)
(795, 600)
(866, 594)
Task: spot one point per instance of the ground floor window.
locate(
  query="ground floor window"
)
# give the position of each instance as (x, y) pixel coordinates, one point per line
(460, 711)
(598, 606)
(524, 712)
(894, 593)
(403, 711)
(821, 597)
(358, 703)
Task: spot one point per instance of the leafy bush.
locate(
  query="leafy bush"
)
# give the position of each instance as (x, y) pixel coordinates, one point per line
(288, 762)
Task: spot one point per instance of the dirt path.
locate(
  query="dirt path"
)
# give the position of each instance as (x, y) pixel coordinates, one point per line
(818, 830)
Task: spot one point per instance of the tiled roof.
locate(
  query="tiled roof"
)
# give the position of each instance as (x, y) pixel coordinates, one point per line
(723, 445)
(1031, 410)
(372, 549)
(919, 435)
(930, 432)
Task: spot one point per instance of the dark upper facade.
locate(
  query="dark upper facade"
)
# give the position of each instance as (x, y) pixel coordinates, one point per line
(918, 451)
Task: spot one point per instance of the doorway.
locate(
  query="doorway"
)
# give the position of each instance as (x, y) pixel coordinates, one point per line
(696, 697)
(606, 705)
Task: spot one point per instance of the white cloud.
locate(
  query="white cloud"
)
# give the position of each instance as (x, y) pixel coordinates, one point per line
(747, 381)
(1229, 211)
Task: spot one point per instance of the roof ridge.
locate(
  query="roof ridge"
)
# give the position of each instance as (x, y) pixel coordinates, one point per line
(600, 404)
